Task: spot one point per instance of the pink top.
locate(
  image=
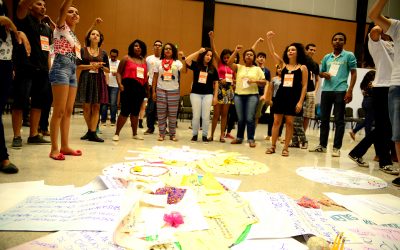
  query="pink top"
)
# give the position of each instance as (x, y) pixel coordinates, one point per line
(131, 71)
(65, 41)
(223, 69)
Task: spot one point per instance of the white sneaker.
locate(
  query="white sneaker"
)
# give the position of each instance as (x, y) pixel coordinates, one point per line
(137, 137)
(115, 138)
(335, 152)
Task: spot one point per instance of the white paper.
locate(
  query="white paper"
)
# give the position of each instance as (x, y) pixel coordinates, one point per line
(98, 211)
(63, 240)
(365, 210)
(280, 217)
(270, 244)
(341, 177)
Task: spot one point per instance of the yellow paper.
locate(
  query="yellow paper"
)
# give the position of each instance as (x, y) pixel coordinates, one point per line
(211, 183)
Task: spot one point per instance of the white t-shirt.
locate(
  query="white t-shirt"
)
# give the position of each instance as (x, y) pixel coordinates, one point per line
(112, 80)
(394, 32)
(168, 81)
(382, 52)
(6, 48)
(151, 62)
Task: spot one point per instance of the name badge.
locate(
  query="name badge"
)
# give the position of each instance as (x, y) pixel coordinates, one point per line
(93, 71)
(288, 80)
(203, 77)
(245, 83)
(167, 75)
(228, 77)
(78, 50)
(333, 70)
(113, 69)
(140, 72)
(44, 43)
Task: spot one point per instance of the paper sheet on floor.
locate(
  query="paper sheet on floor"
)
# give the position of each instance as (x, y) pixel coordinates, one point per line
(379, 208)
(281, 217)
(373, 236)
(271, 244)
(13, 193)
(341, 177)
(72, 240)
(98, 211)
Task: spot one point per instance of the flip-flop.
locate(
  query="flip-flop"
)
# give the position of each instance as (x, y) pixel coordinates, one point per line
(73, 152)
(59, 157)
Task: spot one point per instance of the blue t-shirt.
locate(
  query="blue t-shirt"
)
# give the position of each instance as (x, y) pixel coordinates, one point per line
(341, 66)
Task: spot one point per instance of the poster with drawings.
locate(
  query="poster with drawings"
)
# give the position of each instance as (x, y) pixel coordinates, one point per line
(341, 178)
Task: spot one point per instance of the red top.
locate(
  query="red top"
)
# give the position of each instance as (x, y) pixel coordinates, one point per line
(137, 71)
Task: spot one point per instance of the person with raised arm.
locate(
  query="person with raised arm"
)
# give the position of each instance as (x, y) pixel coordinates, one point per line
(67, 50)
(392, 28)
(291, 93)
(225, 89)
(204, 90)
(248, 78)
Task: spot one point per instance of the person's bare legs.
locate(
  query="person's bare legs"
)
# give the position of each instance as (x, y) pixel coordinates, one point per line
(16, 118)
(216, 115)
(224, 119)
(94, 116)
(60, 97)
(306, 122)
(289, 131)
(34, 120)
(66, 121)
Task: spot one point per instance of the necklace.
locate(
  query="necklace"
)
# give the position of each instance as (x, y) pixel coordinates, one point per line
(293, 68)
(92, 52)
(166, 64)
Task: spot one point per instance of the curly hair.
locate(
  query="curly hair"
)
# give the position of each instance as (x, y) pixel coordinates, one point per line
(174, 51)
(369, 77)
(254, 55)
(301, 54)
(142, 45)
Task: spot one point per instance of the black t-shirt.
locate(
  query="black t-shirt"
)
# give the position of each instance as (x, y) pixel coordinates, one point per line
(267, 75)
(33, 29)
(203, 88)
(313, 71)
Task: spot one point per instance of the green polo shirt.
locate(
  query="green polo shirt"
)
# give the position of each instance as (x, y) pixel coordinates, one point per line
(344, 63)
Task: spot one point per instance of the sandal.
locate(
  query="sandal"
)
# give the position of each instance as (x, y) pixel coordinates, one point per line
(236, 141)
(270, 150)
(59, 157)
(252, 144)
(285, 152)
(73, 152)
(173, 138)
(221, 139)
(161, 138)
(210, 138)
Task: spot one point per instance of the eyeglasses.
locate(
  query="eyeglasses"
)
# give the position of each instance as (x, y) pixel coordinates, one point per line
(157, 45)
(167, 48)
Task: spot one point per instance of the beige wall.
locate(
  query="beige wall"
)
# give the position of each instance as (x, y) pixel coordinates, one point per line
(180, 22)
(239, 25)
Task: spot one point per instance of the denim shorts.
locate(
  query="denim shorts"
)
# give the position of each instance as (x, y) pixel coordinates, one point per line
(394, 111)
(63, 71)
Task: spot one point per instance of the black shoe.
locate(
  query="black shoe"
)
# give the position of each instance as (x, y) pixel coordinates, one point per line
(396, 182)
(194, 138)
(37, 139)
(86, 136)
(204, 139)
(9, 169)
(149, 132)
(359, 160)
(93, 137)
(17, 142)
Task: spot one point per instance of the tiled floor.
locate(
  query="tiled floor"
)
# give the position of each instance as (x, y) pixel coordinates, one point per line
(35, 164)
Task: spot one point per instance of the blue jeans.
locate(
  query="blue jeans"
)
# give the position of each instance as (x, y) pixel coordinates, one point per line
(246, 111)
(201, 107)
(367, 105)
(6, 72)
(113, 95)
(394, 111)
(335, 99)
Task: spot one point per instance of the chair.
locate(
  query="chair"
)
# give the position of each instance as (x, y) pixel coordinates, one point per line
(348, 117)
(185, 111)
